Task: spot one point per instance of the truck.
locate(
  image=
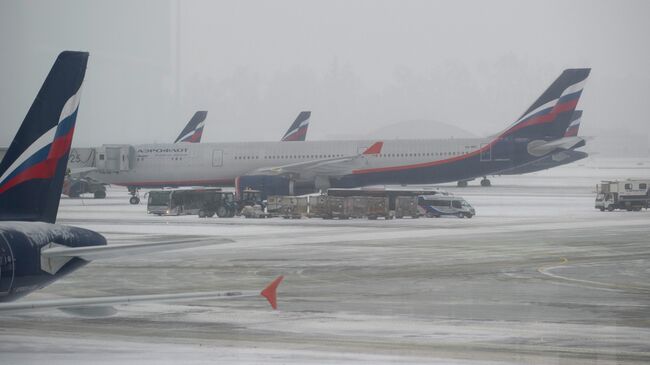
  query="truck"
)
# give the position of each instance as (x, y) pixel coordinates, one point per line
(204, 202)
(630, 195)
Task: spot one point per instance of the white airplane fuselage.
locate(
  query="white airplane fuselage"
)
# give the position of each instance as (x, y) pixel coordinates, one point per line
(219, 164)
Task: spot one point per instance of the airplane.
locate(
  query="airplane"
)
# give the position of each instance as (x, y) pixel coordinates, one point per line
(193, 131)
(34, 250)
(298, 130)
(316, 165)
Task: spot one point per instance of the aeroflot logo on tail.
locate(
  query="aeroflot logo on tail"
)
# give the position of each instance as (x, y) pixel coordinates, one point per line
(161, 150)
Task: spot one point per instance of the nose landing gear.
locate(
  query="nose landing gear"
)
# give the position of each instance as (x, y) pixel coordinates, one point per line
(135, 196)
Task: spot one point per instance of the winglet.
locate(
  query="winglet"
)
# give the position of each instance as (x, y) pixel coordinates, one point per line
(270, 292)
(375, 149)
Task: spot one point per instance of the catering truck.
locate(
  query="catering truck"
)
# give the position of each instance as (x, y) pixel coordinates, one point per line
(630, 195)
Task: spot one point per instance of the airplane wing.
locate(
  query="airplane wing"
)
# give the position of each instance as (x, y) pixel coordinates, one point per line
(336, 166)
(81, 305)
(74, 171)
(54, 256)
(112, 251)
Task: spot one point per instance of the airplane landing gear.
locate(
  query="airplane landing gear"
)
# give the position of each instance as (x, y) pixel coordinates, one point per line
(486, 182)
(135, 198)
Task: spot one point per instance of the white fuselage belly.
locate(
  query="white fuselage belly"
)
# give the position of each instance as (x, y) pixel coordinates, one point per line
(220, 163)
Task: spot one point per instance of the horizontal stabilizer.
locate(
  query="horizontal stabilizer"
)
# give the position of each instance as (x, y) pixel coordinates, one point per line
(565, 143)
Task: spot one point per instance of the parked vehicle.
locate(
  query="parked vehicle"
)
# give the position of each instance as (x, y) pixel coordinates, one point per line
(74, 187)
(254, 211)
(631, 195)
(202, 202)
(437, 206)
(391, 194)
(294, 207)
(345, 207)
(406, 206)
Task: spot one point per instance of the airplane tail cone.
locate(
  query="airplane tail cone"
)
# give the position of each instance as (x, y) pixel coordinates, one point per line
(270, 291)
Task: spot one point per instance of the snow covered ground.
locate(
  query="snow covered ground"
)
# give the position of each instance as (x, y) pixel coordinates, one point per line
(538, 276)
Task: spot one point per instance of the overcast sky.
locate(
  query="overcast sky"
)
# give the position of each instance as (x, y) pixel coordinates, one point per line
(358, 65)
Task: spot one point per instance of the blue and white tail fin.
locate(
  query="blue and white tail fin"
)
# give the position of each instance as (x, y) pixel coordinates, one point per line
(550, 115)
(32, 171)
(574, 124)
(194, 129)
(298, 130)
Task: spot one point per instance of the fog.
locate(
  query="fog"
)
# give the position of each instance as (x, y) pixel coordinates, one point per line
(360, 66)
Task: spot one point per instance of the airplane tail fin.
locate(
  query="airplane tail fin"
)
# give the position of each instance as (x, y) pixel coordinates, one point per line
(32, 172)
(194, 129)
(298, 130)
(574, 124)
(550, 115)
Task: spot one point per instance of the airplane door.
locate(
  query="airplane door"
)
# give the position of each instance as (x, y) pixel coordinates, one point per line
(217, 158)
(6, 267)
(486, 154)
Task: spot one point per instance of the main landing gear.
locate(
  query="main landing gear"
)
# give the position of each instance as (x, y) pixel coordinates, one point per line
(485, 182)
(135, 197)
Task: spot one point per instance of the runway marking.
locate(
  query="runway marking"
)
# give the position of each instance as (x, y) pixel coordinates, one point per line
(545, 270)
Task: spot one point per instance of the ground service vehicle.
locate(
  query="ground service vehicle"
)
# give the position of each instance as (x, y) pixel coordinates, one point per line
(202, 202)
(367, 206)
(437, 206)
(406, 206)
(294, 207)
(329, 207)
(391, 194)
(631, 195)
(73, 187)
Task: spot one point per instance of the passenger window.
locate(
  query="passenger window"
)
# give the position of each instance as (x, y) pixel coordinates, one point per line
(456, 204)
(643, 186)
(628, 186)
(101, 157)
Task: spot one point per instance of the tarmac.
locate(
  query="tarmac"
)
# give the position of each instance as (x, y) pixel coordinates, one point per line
(538, 276)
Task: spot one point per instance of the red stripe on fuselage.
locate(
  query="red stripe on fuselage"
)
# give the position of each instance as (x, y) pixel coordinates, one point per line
(175, 183)
(424, 164)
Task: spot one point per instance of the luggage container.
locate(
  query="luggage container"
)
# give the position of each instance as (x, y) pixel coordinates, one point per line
(288, 207)
(406, 206)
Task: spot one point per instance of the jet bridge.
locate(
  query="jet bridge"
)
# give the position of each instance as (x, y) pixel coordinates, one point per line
(114, 158)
